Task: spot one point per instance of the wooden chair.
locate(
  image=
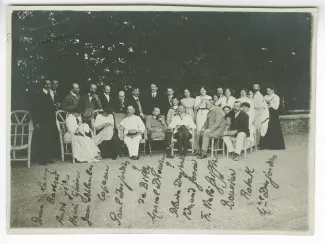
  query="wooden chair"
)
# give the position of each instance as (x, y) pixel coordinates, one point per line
(66, 145)
(191, 141)
(21, 135)
(233, 139)
(215, 146)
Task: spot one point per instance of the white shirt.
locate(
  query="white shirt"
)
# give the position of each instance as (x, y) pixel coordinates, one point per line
(224, 101)
(198, 100)
(187, 120)
(154, 94)
(258, 100)
(107, 97)
(274, 100)
(75, 95)
(72, 125)
(90, 97)
(51, 93)
(132, 122)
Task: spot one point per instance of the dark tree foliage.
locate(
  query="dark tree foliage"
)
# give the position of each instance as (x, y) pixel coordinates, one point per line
(178, 49)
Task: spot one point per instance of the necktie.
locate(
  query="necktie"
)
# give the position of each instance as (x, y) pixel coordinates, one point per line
(77, 120)
(49, 94)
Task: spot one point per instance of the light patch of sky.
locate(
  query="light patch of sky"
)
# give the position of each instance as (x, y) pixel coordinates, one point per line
(264, 49)
(130, 49)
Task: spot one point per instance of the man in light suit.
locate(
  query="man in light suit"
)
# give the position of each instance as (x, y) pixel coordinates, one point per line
(91, 99)
(72, 99)
(212, 128)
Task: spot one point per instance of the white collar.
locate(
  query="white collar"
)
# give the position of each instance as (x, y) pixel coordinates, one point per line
(75, 95)
(106, 95)
(135, 98)
(46, 91)
(155, 93)
(212, 108)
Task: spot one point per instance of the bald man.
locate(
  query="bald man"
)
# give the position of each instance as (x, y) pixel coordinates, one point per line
(120, 105)
(133, 128)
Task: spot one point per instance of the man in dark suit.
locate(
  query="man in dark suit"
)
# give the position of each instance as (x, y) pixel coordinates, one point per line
(154, 99)
(239, 129)
(91, 99)
(167, 102)
(120, 106)
(57, 93)
(106, 98)
(72, 99)
(46, 131)
(137, 103)
(212, 128)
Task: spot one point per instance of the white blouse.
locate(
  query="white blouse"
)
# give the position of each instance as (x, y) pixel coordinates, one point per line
(187, 120)
(274, 101)
(224, 101)
(198, 100)
(100, 120)
(73, 127)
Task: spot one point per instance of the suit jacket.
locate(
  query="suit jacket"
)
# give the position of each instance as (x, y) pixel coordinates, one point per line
(165, 105)
(153, 125)
(44, 111)
(215, 121)
(241, 123)
(118, 108)
(152, 102)
(106, 104)
(86, 103)
(70, 102)
(131, 101)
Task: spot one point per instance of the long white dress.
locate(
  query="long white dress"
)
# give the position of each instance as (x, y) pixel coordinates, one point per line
(202, 112)
(84, 148)
(106, 133)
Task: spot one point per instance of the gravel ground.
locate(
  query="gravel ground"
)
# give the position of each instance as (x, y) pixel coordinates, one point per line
(122, 201)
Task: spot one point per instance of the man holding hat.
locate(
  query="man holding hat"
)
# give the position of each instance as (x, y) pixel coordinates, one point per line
(133, 130)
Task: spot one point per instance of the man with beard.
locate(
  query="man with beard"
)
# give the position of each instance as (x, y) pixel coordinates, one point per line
(91, 99)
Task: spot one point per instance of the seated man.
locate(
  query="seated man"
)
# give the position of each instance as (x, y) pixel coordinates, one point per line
(213, 127)
(133, 130)
(157, 129)
(173, 110)
(182, 125)
(239, 129)
(252, 130)
(84, 148)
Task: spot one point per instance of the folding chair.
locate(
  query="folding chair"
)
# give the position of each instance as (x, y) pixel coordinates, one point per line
(21, 135)
(215, 146)
(191, 141)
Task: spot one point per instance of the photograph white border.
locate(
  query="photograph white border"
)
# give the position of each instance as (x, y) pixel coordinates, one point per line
(100, 8)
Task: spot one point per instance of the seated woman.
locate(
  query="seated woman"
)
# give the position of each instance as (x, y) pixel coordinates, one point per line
(84, 148)
(106, 137)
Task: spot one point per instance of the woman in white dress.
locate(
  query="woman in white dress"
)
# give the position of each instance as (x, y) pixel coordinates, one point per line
(243, 98)
(84, 148)
(188, 103)
(227, 99)
(200, 108)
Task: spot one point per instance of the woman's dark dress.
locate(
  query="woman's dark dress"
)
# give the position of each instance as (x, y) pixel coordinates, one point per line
(111, 148)
(273, 138)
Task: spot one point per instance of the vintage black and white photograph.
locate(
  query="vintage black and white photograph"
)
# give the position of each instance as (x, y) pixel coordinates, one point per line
(160, 119)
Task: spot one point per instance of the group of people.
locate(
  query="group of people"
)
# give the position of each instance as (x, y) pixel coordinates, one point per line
(161, 116)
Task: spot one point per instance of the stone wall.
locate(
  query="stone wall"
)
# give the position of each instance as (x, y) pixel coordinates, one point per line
(296, 123)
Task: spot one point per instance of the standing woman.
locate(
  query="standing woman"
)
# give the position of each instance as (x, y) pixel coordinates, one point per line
(273, 139)
(215, 99)
(227, 99)
(250, 95)
(188, 103)
(243, 98)
(201, 109)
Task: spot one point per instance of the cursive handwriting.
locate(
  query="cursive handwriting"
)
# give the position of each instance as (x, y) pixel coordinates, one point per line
(213, 174)
(231, 196)
(102, 195)
(248, 191)
(39, 218)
